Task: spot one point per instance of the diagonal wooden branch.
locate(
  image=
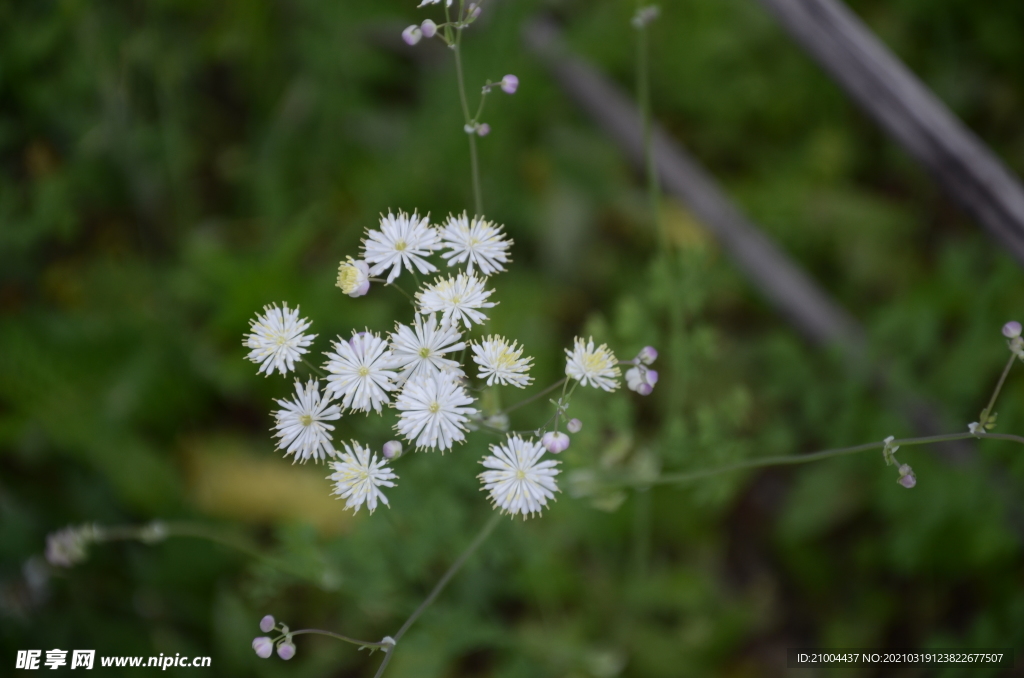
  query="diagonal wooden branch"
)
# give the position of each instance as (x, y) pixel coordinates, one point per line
(809, 308)
(909, 113)
(794, 293)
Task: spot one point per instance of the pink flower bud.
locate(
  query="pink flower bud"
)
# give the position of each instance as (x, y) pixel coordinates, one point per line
(392, 449)
(267, 624)
(1012, 329)
(483, 130)
(555, 442)
(907, 478)
(263, 647)
(647, 355)
(644, 389)
(286, 650)
(428, 28)
(412, 35)
(509, 84)
(574, 426)
(474, 11)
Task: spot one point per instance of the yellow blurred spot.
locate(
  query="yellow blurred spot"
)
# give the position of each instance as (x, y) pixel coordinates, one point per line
(683, 229)
(228, 480)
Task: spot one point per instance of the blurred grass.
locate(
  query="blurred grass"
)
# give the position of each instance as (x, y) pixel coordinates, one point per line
(167, 168)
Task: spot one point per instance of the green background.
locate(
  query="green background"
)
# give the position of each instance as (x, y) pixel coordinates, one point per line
(169, 167)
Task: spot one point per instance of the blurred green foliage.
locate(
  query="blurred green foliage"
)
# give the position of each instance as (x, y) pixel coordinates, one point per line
(168, 167)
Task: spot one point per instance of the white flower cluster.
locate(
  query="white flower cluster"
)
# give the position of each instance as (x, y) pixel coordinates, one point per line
(421, 370)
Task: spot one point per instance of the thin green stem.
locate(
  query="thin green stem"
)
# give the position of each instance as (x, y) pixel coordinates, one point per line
(452, 571)
(478, 201)
(338, 636)
(441, 584)
(313, 368)
(999, 386)
(155, 532)
(397, 287)
(534, 397)
(793, 459)
(643, 86)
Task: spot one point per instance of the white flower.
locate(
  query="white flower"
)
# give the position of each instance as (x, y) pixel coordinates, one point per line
(358, 477)
(499, 361)
(975, 428)
(354, 277)
(519, 482)
(434, 411)
(592, 367)
(457, 298)
(276, 339)
(360, 372)
(300, 425)
(402, 239)
(474, 242)
(419, 350)
(448, 3)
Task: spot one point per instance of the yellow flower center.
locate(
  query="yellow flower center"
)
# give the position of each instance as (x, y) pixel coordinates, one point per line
(305, 420)
(596, 362)
(520, 474)
(364, 371)
(506, 359)
(424, 352)
(348, 278)
(435, 407)
(400, 245)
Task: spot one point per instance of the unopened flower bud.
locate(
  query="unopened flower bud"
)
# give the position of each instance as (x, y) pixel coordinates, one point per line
(354, 277)
(647, 355)
(509, 84)
(412, 35)
(263, 646)
(267, 624)
(474, 11)
(1012, 329)
(907, 478)
(641, 380)
(67, 547)
(286, 650)
(392, 449)
(428, 28)
(483, 130)
(574, 426)
(555, 442)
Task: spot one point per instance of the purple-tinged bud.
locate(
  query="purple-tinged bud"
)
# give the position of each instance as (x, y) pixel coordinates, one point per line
(555, 442)
(267, 624)
(483, 130)
(412, 35)
(392, 449)
(907, 478)
(641, 380)
(286, 650)
(574, 426)
(428, 28)
(474, 11)
(647, 355)
(263, 646)
(1012, 329)
(509, 84)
